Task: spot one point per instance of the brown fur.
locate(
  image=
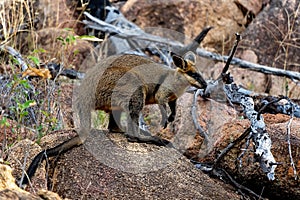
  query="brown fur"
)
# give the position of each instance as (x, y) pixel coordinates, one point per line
(128, 83)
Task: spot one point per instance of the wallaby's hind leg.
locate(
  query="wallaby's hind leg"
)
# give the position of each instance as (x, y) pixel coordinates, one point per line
(134, 133)
(115, 122)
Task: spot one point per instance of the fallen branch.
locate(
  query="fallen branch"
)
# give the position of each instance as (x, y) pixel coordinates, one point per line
(224, 175)
(276, 105)
(58, 70)
(137, 34)
(249, 65)
(261, 138)
(259, 134)
(230, 146)
(241, 187)
(194, 116)
(257, 131)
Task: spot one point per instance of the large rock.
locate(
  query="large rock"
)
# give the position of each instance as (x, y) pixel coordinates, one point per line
(273, 38)
(101, 169)
(190, 17)
(223, 125)
(132, 171)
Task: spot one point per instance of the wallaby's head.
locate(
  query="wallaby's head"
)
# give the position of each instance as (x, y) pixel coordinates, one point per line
(187, 66)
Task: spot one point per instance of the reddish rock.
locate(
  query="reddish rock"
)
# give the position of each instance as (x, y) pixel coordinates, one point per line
(253, 6)
(189, 18)
(273, 35)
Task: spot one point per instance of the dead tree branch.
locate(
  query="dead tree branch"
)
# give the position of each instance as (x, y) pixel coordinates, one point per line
(135, 33)
(251, 66)
(257, 131)
(241, 187)
(274, 105)
(259, 134)
(231, 54)
(230, 146)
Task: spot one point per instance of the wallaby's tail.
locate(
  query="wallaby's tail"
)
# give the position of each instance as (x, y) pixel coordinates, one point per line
(55, 151)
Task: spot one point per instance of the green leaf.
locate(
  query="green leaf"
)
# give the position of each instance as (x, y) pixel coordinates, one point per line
(46, 114)
(24, 113)
(62, 40)
(28, 103)
(75, 52)
(24, 83)
(70, 39)
(4, 122)
(35, 60)
(68, 29)
(40, 50)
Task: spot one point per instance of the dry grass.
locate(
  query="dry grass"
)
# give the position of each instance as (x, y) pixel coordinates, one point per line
(17, 17)
(27, 29)
(18, 20)
(287, 38)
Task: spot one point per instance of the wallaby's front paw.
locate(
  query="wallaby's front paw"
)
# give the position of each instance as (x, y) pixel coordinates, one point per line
(115, 130)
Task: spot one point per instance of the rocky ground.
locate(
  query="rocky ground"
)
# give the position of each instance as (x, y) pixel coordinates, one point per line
(269, 37)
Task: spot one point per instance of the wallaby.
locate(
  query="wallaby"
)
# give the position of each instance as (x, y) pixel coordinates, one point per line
(127, 83)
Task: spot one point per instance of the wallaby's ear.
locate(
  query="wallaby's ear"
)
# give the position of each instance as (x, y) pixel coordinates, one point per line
(179, 62)
(190, 57)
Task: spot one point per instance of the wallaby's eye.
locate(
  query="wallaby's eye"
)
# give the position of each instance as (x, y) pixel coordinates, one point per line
(190, 57)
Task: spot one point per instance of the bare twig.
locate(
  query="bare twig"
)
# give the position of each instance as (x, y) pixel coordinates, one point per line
(231, 145)
(194, 116)
(241, 187)
(232, 52)
(265, 106)
(59, 70)
(195, 43)
(289, 145)
(244, 150)
(283, 105)
(223, 174)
